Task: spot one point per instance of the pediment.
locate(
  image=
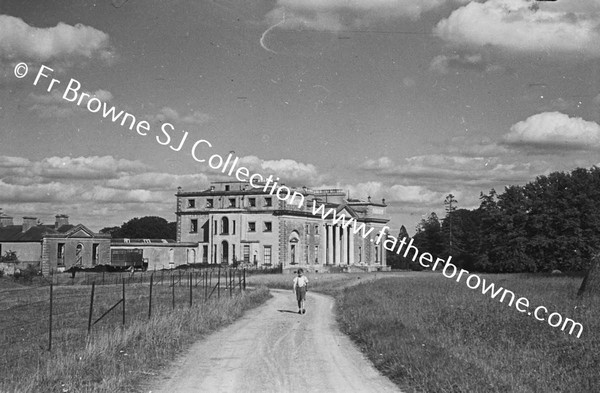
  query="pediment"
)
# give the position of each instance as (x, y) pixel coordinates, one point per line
(345, 210)
(79, 231)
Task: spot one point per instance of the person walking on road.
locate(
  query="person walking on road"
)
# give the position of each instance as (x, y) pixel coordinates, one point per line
(300, 288)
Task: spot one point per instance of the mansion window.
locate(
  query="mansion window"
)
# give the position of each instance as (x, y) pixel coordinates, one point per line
(194, 225)
(267, 255)
(246, 253)
(95, 254)
(268, 227)
(251, 227)
(224, 226)
(60, 254)
(316, 229)
(268, 202)
(209, 203)
(231, 202)
(252, 202)
(191, 203)
(316, 254)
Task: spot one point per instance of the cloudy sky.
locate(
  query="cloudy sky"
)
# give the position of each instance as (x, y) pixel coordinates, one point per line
(406, 100)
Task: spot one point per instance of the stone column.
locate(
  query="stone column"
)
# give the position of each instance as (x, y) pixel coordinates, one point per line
(344, 248)
(351, 249)
(209, 257)
(329, 244)
(337, 243)
(323, 245)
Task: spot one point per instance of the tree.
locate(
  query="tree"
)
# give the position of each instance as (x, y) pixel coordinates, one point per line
(115, 232)
(149, 227)
(429, 237)
(466, 237)
(450, 205)
(591, 281)
(398, 261)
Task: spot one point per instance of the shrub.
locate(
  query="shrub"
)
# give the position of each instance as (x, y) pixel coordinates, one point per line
(28, 273)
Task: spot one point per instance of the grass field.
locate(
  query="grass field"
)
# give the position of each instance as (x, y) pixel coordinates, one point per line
(328, 283)
(425, 332)
(430, 334)
(112, 358)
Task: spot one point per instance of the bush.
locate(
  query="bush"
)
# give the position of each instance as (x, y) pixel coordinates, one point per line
(28, 273)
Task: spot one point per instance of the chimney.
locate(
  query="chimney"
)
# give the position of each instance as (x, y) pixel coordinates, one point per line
(5, 220)
(28, 223)
(61, 219)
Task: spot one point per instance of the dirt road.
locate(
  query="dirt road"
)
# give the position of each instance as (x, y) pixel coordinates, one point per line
(274, 349)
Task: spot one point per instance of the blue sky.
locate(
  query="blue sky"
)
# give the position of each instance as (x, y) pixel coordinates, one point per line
(396, 99)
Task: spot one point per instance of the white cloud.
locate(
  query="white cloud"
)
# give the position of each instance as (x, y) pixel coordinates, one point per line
(52, 105)
(394, 194)
(63, 42)
(51, 168)
(97, 191)
(335, 15)
(554, 130)
(170, 115)
(513, 25)
(67, 193)
(160, 181)
(290, 172)
(417, 195)
(13, 162)
(469, 61)
(93, 167)
(444, 171)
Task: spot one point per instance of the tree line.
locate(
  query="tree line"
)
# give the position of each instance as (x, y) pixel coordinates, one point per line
(149, 227)
(550, 223)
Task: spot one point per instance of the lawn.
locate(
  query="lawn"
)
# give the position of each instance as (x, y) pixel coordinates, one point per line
(112, 357)
(328, 283)
(431, 334)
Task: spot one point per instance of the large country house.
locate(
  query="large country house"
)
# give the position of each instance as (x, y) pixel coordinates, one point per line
(234, 222)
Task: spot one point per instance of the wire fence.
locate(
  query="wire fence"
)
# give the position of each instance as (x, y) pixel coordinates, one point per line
(62, 315)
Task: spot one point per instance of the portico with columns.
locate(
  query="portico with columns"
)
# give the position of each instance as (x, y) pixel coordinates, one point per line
(234, 223)
(337, 244)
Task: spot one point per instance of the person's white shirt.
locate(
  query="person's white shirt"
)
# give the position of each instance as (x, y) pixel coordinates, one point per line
(300, 282)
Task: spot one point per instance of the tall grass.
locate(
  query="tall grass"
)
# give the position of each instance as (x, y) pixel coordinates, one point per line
(329, 283)
(434, 335)
(118, 359)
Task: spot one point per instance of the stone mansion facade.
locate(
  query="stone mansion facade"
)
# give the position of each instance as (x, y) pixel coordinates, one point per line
(234, 222)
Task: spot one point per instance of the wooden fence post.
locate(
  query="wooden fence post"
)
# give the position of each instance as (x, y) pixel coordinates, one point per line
(150, 299)
(91, 308)
(123, 302)
(191, 289)
(50, 320)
